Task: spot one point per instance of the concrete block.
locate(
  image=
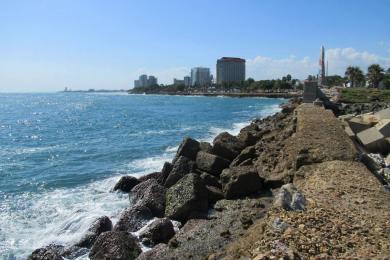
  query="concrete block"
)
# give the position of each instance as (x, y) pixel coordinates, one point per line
(383, 114)
(373, 141)
(383, 126)
(349, 132)
(357, 125)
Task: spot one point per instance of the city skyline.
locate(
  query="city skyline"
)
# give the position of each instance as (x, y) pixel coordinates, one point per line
(47, 46)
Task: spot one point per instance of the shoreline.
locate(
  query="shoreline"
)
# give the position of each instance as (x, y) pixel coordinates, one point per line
(236, 95)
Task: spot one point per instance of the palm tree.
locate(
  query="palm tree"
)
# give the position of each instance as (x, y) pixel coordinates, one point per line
(375, 75)
(355, 76)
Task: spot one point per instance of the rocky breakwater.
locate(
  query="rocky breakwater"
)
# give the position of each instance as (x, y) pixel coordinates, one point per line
(212, 192)
(334, 207)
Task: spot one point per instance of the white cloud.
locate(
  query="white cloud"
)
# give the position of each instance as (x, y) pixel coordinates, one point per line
(262, 67)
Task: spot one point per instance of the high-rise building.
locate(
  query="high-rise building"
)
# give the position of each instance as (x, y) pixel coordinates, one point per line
(145, 81)
(152, 80)
(187, 81)
(136, 83)
(321, 74)
(200, 76)
(230, 70)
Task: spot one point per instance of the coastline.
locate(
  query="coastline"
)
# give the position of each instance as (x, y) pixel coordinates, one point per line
(286, 95)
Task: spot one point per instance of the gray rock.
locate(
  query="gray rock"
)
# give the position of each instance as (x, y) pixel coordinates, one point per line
(74, 252)
(289, 198)
(157, 252)
(279, 225)
(188, 148)
(240, 181)
(116, 245)
(227, 146)
(149, 176)
(205, 147)
(151, 195)
(159, 231)
(126, 183)
(248, 153)
(211, 163)
(181, 167)
(50, 252)
(187, 198)
(159, 176)
(99, 226)
(214, 194)
(210, 180)
(250, 134)
(133, 218)
(167, 168)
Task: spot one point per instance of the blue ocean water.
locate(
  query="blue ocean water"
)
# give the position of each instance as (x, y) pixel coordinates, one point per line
(60, 154)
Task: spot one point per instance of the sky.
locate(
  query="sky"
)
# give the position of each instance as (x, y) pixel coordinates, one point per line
(47, 45)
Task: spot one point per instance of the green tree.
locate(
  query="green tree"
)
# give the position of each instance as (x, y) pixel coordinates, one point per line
(355, 76)
(335, 80)
(386, 82)
(375, 75)
(288, 77)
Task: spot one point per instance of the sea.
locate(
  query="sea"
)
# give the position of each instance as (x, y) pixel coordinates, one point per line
(62, 153)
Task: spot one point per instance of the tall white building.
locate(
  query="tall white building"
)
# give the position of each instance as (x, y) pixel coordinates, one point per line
(200, 76)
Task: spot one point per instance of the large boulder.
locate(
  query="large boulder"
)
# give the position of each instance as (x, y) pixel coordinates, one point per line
(181, 167)
(157, 252)
(126, 183)
(214, 194)
(146, 177)
(159, 231)
(211, 163)
(210, 180)
(74, 252)
(250, 134)
(116, 245)
(205, 147)
(151, 195)
(248, 154)
(133, 218)
(227, 146)
(240, 181)
(188, 148)
(99, 226)
(159, 176)
(50, 252)
(289, 198)
(186, 199)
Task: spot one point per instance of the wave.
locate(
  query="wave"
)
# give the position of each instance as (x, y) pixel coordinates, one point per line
(60, 216)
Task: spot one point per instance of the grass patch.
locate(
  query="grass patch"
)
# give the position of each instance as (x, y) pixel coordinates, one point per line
(364, 95)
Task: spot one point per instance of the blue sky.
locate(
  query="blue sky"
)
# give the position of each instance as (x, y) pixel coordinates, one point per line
(46, 45)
